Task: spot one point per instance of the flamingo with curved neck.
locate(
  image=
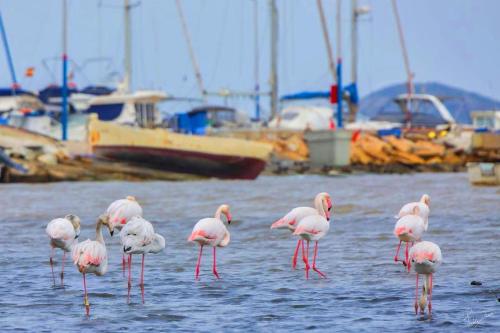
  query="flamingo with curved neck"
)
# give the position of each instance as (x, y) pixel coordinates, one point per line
(211, 232)
(313, 228)
(293, 217)
(91, 257)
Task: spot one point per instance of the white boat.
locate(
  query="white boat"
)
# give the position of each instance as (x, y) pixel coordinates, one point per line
(484, 173)
(303, 118)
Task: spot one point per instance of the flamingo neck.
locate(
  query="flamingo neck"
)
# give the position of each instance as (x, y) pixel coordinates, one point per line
(218, 212)
(318, 203)
(98, 232)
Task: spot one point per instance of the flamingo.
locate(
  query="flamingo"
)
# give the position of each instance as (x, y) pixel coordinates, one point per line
(212, 232)
(63, 234)
(91, 257)
(426, 257)
(408, 229)
(138, 237)
(423, 206)
(313, 228)
(119, 213)
(291, 219)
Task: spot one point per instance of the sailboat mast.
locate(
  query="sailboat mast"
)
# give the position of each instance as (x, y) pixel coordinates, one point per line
(64, 114)
(340, 89)
(354, 41)
(353, 107)
(326, 37)
(406, 59)
(197, 72)
(256, 59)
(273, 79)
(127, 79)
(15, 85)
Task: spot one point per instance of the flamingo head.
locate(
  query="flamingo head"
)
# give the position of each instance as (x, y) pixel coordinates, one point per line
(326, 203)
(426, 199)
(104, 219)
(75, 221)
(224, 209)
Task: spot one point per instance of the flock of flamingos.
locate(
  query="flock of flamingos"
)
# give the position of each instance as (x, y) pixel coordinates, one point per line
(309, 224)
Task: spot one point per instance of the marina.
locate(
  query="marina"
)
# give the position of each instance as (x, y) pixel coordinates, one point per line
(249, 166)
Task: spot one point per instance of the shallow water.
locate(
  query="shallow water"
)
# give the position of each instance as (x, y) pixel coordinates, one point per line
(365, 291)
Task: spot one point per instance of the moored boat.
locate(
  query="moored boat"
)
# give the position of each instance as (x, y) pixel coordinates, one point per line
(484, 173)
(159, 148)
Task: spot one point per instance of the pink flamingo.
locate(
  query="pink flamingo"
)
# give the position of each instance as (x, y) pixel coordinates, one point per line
(119, 213)
(212, 232)
(426, 257)
(313, 228)
(423, 209)
(293, 217)
(63, 234)
(91, 257)
(138, 237)
(408, 229)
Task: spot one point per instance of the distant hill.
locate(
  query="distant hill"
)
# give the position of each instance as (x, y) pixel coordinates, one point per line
(460, 102)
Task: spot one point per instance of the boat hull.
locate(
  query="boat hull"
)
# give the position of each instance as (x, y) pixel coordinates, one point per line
(211, 165)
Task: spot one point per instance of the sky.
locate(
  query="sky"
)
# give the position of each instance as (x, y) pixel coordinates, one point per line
(455, 42)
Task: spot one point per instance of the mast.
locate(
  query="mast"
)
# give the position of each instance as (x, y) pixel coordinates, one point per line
(197, 72)
(15, 85)
(127, 79)
(273, 79)
(353, 107)
(340, 90)
(64, 114)
(406, 59)
(256, 59)
(326, 37)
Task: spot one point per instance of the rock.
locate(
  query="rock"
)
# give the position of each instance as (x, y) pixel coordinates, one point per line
(49, 159)
(476, 283)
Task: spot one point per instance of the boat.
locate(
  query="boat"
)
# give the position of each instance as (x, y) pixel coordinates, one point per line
(484, 173)
(159, 148)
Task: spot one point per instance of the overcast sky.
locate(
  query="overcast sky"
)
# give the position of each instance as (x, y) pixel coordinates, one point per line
(455, 42)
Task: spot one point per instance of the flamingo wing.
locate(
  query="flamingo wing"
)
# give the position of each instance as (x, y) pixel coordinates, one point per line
(121, 211)
(312, 227)
(89, 256)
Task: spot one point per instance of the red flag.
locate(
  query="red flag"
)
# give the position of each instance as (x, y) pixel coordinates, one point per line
(334, 95)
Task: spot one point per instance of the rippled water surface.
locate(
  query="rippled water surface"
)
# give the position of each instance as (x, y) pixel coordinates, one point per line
(365, 289)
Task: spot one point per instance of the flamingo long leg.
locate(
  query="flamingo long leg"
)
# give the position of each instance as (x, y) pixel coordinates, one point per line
(295, 254)
(314, 261)
(85, 297)
(123, 264)
(214, 267)
(52, 266)
(430, 295)
(407, 264)
(305, 256)
(416, 296)
(129, 277)
(62, 269)
(142, 279)
(198, 263)
(396, 259)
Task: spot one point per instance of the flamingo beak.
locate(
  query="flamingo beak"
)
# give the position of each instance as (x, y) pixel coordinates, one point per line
(228, 218)
(111, 232)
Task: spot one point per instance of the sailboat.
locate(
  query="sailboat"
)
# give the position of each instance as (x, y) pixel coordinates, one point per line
(135, 138)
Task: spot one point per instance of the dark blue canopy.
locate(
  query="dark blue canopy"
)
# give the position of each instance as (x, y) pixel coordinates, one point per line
(352, 89)
(13, 92)
(306, 95)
